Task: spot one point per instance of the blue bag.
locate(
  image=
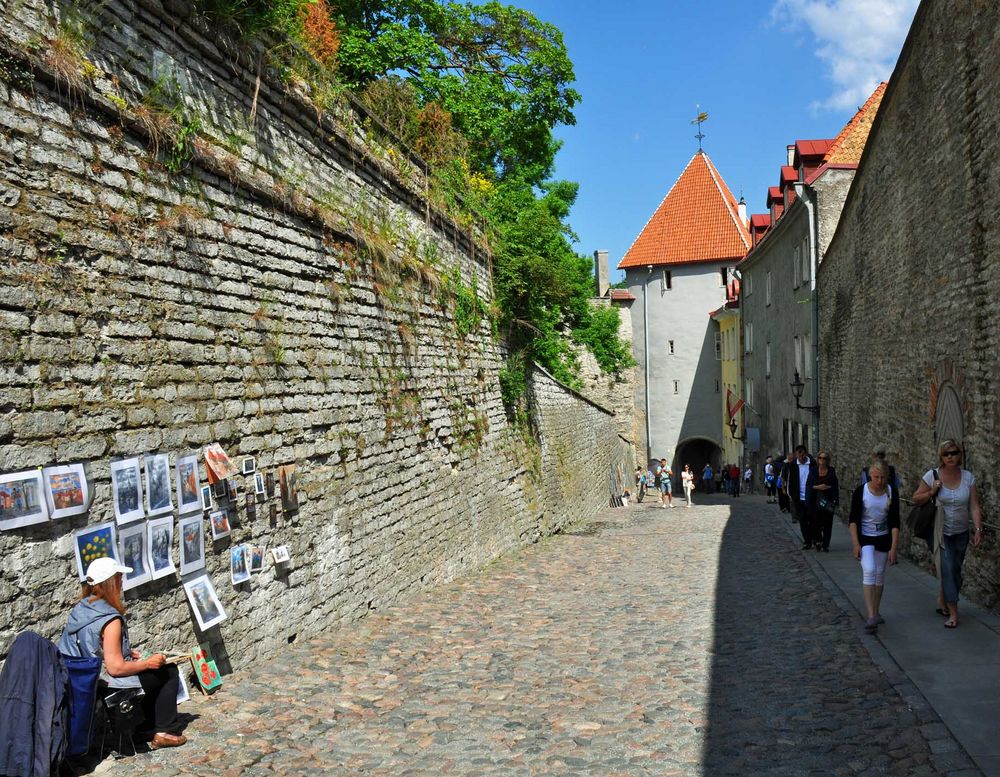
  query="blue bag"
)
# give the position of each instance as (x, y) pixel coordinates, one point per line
(84, 673)
(780, 484)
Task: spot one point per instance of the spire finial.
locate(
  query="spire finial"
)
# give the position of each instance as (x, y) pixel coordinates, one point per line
(702, 117)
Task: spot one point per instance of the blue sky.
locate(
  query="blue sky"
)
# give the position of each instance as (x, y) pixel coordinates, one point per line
(768, 72)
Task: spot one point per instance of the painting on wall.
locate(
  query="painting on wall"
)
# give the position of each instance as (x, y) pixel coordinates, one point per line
(239, 564)
(188, 487)
(280, 554)
(67, 490)
(133, 550)
(158, 496)
(161, 543)
(220, 524)
(217, 463)
(257, 558)
(258, 484)
(92, 543)
(126, 491)
(249, 465)
(204, 602)
(289, 488)
(22, 500)
(192, 533)
(206, 497)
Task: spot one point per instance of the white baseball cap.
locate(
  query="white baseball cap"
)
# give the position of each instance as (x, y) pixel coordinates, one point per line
(103, 569)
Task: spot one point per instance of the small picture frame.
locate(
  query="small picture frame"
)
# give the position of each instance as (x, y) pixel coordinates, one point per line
(188, 486)
(220, 489)
(249, 465)
(258, 484)
(220, 524)
(159, 496)
(161, 546)
(233, 488)
(206, 498)
(280, 554)
(269, 484)
(204, 602)
(183, 694)
(273, 509)
(191, 529)
(257, 558)
(289, 488)
(239, 564)
(251, 506)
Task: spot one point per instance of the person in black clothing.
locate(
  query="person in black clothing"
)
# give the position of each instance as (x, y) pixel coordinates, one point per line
(783, 488)
(800, 469)
(824, 494)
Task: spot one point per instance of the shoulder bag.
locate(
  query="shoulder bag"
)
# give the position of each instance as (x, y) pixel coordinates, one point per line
(921, 518)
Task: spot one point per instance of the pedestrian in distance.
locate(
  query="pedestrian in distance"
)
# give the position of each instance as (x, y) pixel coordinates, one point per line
(661, 480)
(878, 454)
(706, 478)
(783, 501)
(640, 484)
(717, 480)
(748, 479)
(824, 492)
(874, 527)
(958, 511)
(771, 480)
(734, 480)
(687, 481)
(797, 486)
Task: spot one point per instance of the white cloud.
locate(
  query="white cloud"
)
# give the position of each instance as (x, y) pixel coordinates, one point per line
(859, 40)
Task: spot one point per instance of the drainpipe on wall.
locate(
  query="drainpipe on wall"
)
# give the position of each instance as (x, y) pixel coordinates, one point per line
(645, 355)
(808, 196)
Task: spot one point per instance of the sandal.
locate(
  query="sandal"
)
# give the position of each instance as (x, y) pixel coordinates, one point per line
(942, 611)
(951, 624)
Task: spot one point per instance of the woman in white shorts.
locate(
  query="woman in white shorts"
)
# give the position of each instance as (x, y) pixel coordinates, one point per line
(874, 526)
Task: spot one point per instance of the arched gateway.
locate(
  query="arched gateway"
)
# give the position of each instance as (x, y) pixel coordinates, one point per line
(697, 451)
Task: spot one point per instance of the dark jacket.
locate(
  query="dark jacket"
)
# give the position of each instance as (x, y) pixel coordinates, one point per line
(33, 708)
(858, 506)
(792, 481)
(832, 495)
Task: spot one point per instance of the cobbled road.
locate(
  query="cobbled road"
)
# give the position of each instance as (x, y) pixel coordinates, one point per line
(691, 641)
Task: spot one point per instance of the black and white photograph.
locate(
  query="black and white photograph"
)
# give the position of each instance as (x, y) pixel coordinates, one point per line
(67, 490)
(161, 543)
(280, 554)
(126, 490)
(158, 496)
(188, 486)
(133, 550)
(206, 497)
(204, 602)
(22, 500)
(239, 564)
(249, 465)
(258, 484)
(191, 529)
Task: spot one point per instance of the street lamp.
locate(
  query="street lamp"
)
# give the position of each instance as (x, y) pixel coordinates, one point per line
(733, 426)
(797, 388)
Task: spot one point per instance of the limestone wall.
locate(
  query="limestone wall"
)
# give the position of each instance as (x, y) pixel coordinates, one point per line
(908, 290)
(193, 257)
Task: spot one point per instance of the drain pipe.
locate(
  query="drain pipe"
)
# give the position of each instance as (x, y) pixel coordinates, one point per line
(808, 195)
(645, 356)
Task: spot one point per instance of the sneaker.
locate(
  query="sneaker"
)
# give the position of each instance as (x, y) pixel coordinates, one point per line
(871, 627)
(879, 619)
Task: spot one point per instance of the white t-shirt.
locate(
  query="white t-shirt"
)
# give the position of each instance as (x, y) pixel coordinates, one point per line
(956, 501)
(875, 515)
(803, 477)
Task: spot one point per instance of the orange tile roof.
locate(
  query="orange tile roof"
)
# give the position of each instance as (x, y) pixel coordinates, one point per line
(698, 221)
(847, 147)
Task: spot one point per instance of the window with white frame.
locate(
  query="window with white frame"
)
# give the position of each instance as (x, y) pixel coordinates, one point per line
(748, 391)
(806, 356)
(666, 281)
(747, 284)
(748, 337)
(767, 288)
(806, 263)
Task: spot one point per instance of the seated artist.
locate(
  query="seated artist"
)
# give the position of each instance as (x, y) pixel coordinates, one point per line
(97, 627)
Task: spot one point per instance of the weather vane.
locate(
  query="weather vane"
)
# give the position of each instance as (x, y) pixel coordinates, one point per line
(702, 116)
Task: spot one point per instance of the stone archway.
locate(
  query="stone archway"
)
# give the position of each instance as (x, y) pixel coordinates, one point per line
(949, 422)
(697, 451)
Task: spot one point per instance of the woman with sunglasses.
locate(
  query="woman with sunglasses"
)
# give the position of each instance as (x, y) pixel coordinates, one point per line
(823, 498)
(959, 510)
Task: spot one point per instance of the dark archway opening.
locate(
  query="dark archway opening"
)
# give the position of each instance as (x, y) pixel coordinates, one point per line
(697, 453)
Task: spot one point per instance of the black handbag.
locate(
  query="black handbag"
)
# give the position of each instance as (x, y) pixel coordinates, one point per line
(124, 706)
(922, 518)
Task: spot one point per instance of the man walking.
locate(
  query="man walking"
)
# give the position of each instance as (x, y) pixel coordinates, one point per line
(706, 479)
(800, 471)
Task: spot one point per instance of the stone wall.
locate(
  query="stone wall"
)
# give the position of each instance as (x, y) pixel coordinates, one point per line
(179, 273)
(908, 290)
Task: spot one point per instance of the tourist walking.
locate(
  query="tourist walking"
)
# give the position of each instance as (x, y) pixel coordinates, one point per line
(706, 478)
(958, 511)
(874, 527)
(687, 481)
(797, 485)
(640, 483)
(661, 480)
(783, 501)
(878, 454)
(824, 497)
(748, 479)
(734, 480)
(770, 480)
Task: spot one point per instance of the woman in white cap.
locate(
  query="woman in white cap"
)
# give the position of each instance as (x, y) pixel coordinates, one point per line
(97, 627)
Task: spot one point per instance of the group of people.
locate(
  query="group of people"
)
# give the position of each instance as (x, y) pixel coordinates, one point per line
(660, 479)
(808, 488)
(728, 479)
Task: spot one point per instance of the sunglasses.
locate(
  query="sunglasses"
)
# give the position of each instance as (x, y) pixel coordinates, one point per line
(952, 453)
(822, 458)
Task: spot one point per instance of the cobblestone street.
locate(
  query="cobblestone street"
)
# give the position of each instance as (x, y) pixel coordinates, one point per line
(664, 642)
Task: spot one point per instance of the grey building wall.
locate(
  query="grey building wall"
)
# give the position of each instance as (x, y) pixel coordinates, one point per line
(909, 290)
(679, 314)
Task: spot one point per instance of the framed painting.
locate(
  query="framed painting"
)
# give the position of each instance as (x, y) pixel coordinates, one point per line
(158, 491)
(239, 564)
(192, 541)
(22, 500)
(161, 544)
(133, 550)
(67, 490)
(204, 602)
(188, 487)
(220, 524)
(92, 543)
(126, 491)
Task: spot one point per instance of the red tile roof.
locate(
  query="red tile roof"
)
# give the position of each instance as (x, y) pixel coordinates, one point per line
(811, 148)
(847, 147)
(698, 221)
(774, 195)
(758, 220)
(622, 294)
(788, 174)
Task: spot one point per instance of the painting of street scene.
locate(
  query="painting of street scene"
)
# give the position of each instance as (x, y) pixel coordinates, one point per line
(21, 501)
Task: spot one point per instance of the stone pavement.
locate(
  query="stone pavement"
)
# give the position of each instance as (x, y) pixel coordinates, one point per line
(664, 642)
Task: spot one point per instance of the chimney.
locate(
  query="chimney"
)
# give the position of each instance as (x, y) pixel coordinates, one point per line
(742, 208)
(601, 273)
(791, 155)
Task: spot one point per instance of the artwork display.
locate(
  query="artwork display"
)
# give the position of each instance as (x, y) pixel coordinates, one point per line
(258, 484)
(67, 490)
(206, 497)
(205, 670)
(249, 465)
(269, 483)
(158, 497)
(133, 550)
(204, 602)
(274, 513)
(218, 464)
(182, 689)
(257, 558)
(233, 489)
(239, 564)
(220, 524)
(289, 489)
(22, 501)
(188, 487)
(220, 489)
(92, 543)
(161, 543)
(251, 507)
(126, 491)
(192, 534)
(280, 554)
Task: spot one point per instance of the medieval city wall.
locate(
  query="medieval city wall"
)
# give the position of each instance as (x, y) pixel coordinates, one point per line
(195, 256)
(908, 289)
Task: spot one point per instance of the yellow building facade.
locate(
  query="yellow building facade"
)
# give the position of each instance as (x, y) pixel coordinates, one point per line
(728, 351)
